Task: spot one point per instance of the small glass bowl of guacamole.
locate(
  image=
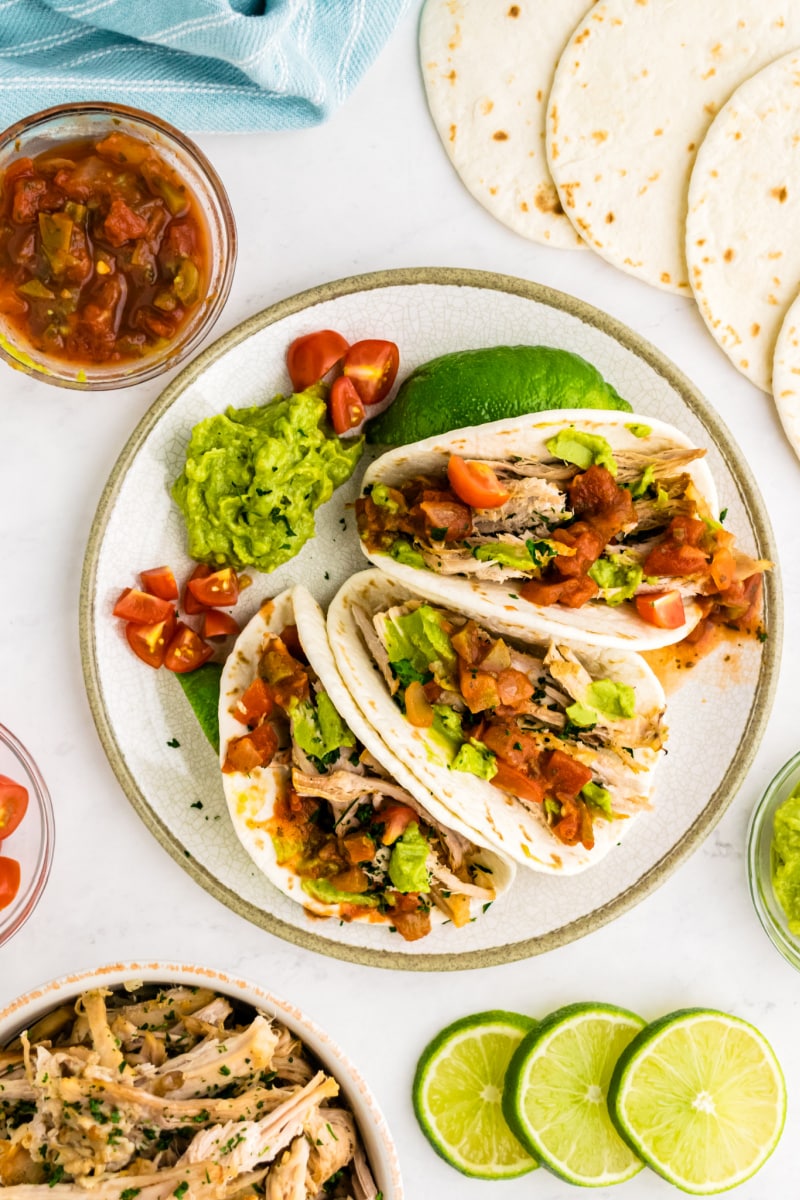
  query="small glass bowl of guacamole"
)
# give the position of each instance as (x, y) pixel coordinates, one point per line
(773, 860)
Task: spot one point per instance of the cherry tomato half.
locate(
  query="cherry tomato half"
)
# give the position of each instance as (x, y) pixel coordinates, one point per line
(142, 608)
(186, 651)
(190, 604)
(662, 609)
(345, 405)
(218, 624)
(13, 805)
(149, 642)
(312, 356)
(220, 589)
(475, 483)
(372, 366)
(10, 875)
(160, 582)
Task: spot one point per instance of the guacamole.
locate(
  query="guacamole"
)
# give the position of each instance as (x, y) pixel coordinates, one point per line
(255, 476)
(786, 858)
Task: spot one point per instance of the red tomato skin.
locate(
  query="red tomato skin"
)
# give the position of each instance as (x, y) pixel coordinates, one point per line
(190, 605)
(141, 608)
(372, 365)
(160, 581)
(219, 589)
(149, 642)
(13, 805)
(10, 875)
(345, 406)
(218, 625)
(663, 609)
(311, 356)
(186, 651)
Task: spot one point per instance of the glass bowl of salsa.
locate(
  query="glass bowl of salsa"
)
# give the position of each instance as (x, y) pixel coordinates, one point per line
(117, 245)
(26, 849)
(773, 860)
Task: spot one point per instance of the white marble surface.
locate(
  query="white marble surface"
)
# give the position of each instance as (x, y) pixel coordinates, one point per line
(372, 189)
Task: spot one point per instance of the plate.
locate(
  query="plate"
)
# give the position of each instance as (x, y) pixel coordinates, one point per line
(716, 718)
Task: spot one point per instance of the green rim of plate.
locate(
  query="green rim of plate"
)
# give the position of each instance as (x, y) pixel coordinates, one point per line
(750, 497)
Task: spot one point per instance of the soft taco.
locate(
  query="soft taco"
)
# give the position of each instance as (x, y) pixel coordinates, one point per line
(322, 806)
(546, 751)
(601, 528)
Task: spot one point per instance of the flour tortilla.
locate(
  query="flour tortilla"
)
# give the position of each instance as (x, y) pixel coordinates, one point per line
(504, 821)
(786, 375)
(595, 623)
(252, 798)
(487, 67)
(633, 96)
(743, 227)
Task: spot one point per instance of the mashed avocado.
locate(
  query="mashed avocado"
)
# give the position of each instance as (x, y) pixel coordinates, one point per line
(324, 891)
(255, 476)
(786, 858)
(318, 728)
(583, 449)
(407, 869)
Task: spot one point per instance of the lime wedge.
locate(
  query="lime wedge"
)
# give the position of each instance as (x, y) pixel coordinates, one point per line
(555, 1093)
(700, 1096)
(458, 1090)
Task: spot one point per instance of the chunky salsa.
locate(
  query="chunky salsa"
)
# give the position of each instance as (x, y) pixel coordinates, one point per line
(103, 250)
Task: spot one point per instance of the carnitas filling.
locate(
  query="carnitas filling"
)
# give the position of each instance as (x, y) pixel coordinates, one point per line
(353, 836)
(534, 723)
(620, 525)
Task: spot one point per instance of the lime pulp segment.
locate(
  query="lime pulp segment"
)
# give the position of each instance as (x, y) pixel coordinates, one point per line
(458, 1091)
(556, 1088)
(701, 1097)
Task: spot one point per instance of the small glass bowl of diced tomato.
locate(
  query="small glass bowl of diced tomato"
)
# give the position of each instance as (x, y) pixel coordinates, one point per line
(27, 834)
(117, 246)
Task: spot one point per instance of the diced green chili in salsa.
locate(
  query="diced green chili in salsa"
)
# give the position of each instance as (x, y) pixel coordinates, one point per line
(103, 250)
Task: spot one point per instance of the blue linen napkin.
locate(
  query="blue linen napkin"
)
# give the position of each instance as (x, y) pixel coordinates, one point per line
(204, 65)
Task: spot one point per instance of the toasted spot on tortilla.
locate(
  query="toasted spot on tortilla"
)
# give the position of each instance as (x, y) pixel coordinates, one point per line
(700, 242)
(513, 11)
(546, 199)
(582, 36)
(500, 135)
(600, 135)
(744, 363)
(728, 255)
(665, 277)
(772, 299)
(452, 76)
(569, 193)
(539, 94)
(486, 106)
(710, 108)
(452, 133)
(609, 218)
(692, 146)
(456, 39)
(780, 194)
(524, 206)
(492, 191)
(755, 329)
(711, 71)
(554, 118)
(658, 133)
(775, 254)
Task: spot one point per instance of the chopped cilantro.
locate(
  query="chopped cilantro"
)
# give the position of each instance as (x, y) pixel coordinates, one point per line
(173, 743)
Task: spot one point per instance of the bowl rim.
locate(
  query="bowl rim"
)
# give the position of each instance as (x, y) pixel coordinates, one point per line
(150, 369)
(758, 828)
(46, 849)
(40, 999)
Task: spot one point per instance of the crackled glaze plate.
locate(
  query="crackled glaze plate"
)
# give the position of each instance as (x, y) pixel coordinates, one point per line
(716, 718)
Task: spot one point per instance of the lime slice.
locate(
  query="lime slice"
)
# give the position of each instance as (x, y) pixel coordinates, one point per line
(458, 1090)
(555, 1093)
(700, 1096)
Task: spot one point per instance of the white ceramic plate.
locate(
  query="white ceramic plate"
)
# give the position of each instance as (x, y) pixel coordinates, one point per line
(716, 719)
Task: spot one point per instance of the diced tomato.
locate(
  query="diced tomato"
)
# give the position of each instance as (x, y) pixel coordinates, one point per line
(446, 519)
(675, 558)
(190, 604)
(186, 651)
(588, 545)
(344, 403)
(219, 589)
(10, 876)
(518, 783)
(13, 805)
(359, 847)
(123, 224)
(142, 608)
(476, 483)
(513, 687)
(723, 568)
(478, 688)
(251, 750)
(311, 356)
(432, 690)
(418, 708)
(564, 776)
(159, 581)
(510, 744)
(372, 366)
(663, 609)
(254, 703)
(149, 642)
(575, 824)
(218, 625)
(291, 640)
(410, 915)
(395, 818)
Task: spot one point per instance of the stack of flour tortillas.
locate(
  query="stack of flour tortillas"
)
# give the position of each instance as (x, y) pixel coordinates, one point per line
(615, 121)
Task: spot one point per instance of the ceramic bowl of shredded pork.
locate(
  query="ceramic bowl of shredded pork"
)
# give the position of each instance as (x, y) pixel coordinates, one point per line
(146, 1081)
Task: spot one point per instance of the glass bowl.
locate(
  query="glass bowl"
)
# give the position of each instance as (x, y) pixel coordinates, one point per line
(31, 844)
(759, 862)
(66, 122)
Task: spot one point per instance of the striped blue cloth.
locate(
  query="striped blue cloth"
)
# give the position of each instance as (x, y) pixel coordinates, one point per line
(205, 65)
